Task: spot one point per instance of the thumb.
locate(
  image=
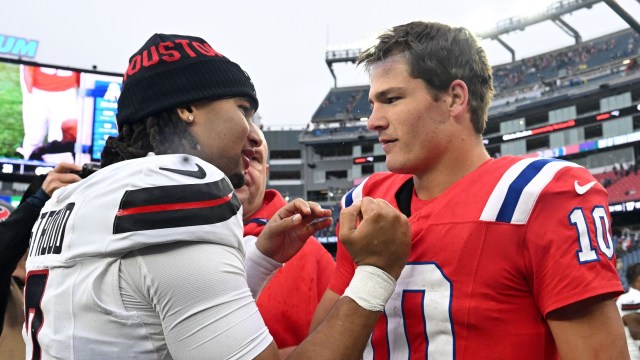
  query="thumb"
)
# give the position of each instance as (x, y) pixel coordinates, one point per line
(349, 219)
(285, 224)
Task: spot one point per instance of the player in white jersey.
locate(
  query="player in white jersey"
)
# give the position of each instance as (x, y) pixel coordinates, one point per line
(145, 258)
(629, 308)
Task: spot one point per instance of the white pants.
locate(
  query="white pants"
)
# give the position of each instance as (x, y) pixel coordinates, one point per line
(42, 115)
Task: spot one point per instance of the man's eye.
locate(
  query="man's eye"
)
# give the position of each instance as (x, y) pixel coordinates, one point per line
(391, 100)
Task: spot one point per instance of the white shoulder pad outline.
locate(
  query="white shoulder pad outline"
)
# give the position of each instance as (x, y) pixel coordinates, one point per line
(515, 195)
(353, 195)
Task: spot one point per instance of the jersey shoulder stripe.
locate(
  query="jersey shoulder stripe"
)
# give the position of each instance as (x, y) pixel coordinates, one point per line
(353, 195)
(630, 307)
(169, 206)
(382, 185)
(515, 194)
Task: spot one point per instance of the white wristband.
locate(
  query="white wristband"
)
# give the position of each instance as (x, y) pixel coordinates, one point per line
(371, 287)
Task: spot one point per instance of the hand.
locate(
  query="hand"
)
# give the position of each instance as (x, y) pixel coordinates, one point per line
(60, 177)
(377, 234)
(288, 230)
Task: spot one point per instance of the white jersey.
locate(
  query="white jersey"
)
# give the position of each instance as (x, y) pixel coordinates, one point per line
(629, 303)
(144, 259)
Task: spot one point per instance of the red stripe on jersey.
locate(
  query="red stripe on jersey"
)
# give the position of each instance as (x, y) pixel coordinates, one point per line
(379, 339)
(630, 307)
(415, 327)
(174, 206)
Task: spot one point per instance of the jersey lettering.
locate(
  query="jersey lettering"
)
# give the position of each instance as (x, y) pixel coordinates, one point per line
(587, 252)
(50, 228)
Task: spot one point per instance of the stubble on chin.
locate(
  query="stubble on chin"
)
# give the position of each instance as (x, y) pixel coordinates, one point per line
(237, 180)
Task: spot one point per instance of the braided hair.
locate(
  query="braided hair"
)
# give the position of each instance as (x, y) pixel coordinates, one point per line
(164, 133)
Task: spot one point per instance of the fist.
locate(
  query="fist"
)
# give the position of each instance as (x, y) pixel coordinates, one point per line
(375, 233)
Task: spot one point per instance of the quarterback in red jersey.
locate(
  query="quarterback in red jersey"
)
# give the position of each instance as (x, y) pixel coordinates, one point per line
(511, 258)
(290, 298)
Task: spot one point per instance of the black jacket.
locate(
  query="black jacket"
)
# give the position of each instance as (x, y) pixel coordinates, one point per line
(15, 232)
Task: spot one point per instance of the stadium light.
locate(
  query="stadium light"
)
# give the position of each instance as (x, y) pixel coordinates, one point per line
(553, 12)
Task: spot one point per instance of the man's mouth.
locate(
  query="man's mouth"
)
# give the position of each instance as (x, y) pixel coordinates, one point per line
(247, 154)
(385, 141)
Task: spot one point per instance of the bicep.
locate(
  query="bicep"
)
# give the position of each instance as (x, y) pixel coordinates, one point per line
(200, 293)
(589, 329)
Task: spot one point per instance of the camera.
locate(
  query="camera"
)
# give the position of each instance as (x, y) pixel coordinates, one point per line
(87, 169)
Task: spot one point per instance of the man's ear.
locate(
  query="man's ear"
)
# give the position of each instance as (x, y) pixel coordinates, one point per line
(186, 114)
(459, 97)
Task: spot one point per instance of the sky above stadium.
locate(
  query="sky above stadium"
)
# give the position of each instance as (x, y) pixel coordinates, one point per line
(281, 44)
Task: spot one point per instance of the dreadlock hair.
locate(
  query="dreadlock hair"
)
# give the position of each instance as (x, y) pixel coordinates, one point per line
(163, 133)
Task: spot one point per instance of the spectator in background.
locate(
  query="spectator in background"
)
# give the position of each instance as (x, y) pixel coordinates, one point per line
(629, 307)
(49, 97)
(14, 241)
(290, 298)
(505, 262)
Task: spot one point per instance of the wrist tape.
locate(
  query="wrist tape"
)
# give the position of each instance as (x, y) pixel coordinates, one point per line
(371, 287)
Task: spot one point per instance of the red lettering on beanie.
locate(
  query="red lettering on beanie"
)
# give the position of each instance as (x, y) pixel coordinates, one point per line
(168, 52)
(206, 49)
(134, 66)
(154, 57)
(169, 55)
(186, 48)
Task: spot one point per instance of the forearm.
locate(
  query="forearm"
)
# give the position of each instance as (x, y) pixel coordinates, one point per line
(328, 301)
(347, 329)
(259, 267)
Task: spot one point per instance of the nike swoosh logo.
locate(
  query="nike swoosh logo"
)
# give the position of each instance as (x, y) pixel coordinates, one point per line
(584, 188)
(199, 173)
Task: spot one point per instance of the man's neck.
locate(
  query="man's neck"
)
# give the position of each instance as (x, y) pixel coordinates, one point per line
(451, 168)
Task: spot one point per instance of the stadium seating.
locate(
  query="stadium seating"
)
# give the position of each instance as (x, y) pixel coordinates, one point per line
(565, 67)
(340, 104)
(595, 60)
(626, 188)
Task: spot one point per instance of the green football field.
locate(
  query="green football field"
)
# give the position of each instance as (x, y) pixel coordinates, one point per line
(11, 129)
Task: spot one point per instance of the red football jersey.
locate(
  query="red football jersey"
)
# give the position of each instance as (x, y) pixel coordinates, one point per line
(50, 79)
(490, 258)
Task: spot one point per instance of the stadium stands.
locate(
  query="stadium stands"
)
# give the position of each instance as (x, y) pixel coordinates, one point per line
(534, 77)
(626, 188)
(341, 103)
(566, 67)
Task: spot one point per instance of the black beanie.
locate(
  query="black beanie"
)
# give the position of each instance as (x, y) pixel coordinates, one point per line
(170, 71)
